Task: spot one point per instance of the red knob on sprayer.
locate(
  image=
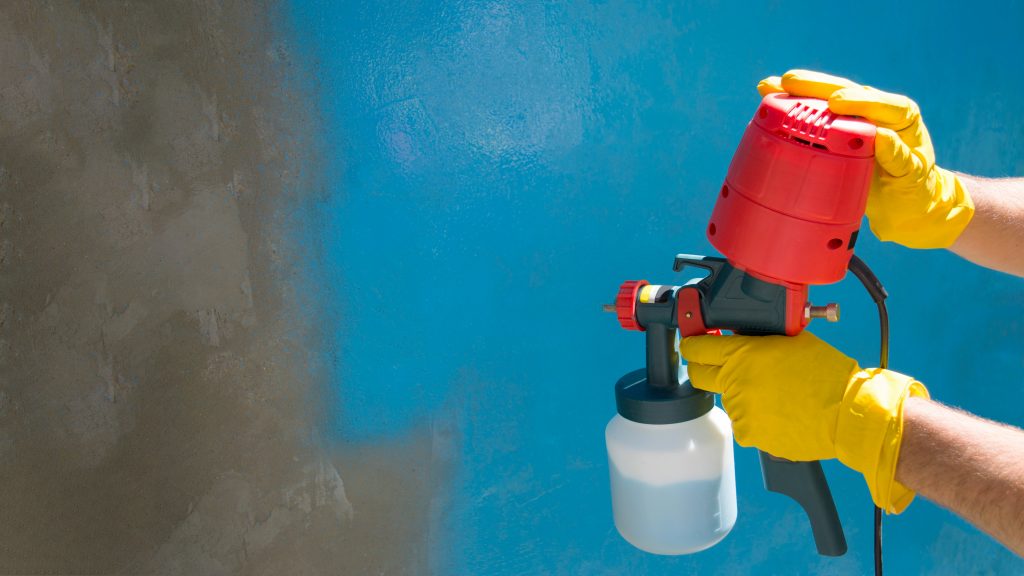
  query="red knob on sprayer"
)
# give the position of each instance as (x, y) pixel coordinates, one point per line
(625, 304)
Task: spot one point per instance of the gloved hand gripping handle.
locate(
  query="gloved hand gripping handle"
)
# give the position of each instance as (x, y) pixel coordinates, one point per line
(730, 299)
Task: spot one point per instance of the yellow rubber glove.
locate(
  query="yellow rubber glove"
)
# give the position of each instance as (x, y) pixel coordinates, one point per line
(912, 201)
(799, 398)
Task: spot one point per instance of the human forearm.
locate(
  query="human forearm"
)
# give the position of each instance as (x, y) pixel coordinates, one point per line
(971, 466)
(995, 237)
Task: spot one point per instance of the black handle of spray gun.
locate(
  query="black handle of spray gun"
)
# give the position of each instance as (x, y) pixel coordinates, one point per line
(805, 482)
(733, 300)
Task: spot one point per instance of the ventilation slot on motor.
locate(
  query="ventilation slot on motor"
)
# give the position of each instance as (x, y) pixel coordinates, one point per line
(805, 125)
(789, 136)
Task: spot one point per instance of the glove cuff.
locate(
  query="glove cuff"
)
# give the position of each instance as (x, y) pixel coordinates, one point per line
(869, 431)
(953, 208)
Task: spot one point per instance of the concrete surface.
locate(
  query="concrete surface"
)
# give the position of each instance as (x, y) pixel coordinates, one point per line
(156, 398)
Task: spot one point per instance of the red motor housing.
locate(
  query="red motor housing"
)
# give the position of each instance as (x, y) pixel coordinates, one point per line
(794, 196)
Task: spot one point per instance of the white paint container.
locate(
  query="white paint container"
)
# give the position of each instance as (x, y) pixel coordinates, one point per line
(673, 485)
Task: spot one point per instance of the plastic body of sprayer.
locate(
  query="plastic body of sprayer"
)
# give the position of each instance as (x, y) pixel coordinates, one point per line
(787, 217)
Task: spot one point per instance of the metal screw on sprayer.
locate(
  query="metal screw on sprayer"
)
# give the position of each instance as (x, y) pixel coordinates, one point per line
(830, 312)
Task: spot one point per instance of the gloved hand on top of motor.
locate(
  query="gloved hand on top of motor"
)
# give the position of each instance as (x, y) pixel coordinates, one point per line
(912, 201)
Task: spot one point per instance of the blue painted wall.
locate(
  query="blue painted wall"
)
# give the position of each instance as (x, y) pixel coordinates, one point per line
(494, 170)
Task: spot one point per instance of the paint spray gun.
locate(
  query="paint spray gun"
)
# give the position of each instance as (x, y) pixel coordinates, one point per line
(786, 218)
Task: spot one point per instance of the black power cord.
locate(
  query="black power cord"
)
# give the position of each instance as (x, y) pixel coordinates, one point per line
(878, 294)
